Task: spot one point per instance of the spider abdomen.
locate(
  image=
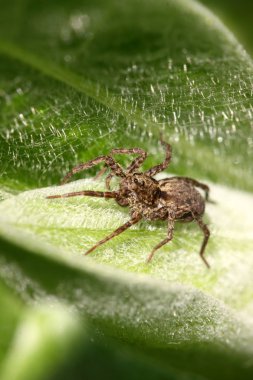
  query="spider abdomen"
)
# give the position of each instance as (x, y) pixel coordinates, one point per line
(182, 197)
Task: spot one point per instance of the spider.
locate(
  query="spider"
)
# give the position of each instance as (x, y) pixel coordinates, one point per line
(172, 199)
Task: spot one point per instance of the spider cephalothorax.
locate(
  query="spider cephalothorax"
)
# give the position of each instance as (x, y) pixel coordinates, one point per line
(138, 188)
(172, 199)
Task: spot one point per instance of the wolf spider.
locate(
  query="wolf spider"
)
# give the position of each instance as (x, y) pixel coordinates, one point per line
(172, 199)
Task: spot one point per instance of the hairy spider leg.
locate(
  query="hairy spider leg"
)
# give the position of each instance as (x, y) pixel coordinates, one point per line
(206, 233)
(117, 170)
(100, 173)
(118, 231)
(90, 193)
(197, 184)
(135, 164)
(164, 241)
(108, 177)
(159, 168)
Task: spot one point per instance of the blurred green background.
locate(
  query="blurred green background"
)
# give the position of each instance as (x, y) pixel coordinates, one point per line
(237, 15)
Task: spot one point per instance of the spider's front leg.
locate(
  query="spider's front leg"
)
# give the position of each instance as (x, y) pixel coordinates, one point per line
(159, 168)
(100, 173)
(135, 164)
(89, 193)
(135, 219)
(109, 161)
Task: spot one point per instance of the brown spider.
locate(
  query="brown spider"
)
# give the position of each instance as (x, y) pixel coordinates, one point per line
(172, 199)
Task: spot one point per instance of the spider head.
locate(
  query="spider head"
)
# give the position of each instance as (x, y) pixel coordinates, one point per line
(139, 187)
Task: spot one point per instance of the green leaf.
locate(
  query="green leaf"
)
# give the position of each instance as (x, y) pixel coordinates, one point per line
(49, 342)
(81, 78)
(42, 342)
(76, 77)
(11, 313)
(237, 15)
(190, 306)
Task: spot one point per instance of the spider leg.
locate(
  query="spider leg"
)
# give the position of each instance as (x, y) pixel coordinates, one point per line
(206, 233)
(118, 231)
(90, 193)
(109, 161)
(135, 164)
(159, 168)
(108, 180)
(100, 173)
(163, 242)
(197, 184)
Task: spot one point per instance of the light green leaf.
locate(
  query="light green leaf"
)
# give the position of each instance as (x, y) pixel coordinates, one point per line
(139, 309)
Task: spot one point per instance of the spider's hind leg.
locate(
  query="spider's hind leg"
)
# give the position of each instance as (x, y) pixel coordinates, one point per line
(164, 241)
(206, 233)
(195, 183)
